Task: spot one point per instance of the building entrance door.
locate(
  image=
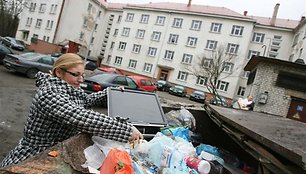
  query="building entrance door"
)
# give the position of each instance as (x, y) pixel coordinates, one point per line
(163, 74)
(297, 110)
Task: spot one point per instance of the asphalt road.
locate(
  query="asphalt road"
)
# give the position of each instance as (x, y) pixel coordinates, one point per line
(16, 93)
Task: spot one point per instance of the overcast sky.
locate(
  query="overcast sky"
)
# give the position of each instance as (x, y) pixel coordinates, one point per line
(289, 9)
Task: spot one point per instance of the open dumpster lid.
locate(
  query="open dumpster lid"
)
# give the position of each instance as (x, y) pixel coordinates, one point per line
(139, 107)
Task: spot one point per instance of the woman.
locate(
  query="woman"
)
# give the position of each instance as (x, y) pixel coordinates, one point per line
(59, 110)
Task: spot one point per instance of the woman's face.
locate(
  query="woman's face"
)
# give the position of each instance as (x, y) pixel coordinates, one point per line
(73, 76)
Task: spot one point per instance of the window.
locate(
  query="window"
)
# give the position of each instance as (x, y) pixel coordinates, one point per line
(182, 75)
(112, 45)
(89, 8)
(99, 13)
(42, 8)
(46, 38)
(119, 18)
(29, 21)
(118, 60)
(136, 48)
(241, 91)
(92, 40)
(147, 67)
(211, 44)
(296, 38)
(187, 58)
(132, 64)
(246, 74)
(85, 22)
(237, 30)
(116, 32)
(144, 19)
(35, 36)
(169, 55)
(38, 23)
(81, 35)
(53, 8)
(207, 63)
(196, 25)
(49, 25)
(122, 45)
(232, 48)
(125, 31)
(192, 41)
(228, 67)
(177, 22)
(258, 37)
(252, 53)
(109, 57)
(160, 20)
(152, 51)
(173, 39)
(202, 80)
(156, 36)
(32, 7)
(96, 27)
(140, 33)
(129, 17)
(222, 85)
(215, 27)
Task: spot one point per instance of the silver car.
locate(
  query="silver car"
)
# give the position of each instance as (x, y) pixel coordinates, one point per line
(13, 43)
(29, 63)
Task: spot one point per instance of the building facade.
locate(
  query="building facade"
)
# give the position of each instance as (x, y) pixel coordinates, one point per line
(164, 40)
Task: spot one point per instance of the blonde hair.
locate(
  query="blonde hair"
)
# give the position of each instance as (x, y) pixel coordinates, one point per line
(67, 61)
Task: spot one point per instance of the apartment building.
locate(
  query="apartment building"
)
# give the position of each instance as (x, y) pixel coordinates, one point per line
(163, 40)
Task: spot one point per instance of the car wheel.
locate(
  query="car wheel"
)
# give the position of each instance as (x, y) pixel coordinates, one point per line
(31, 73)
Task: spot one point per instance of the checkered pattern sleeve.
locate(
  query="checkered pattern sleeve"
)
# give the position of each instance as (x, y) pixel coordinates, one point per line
(96, 98)
(57, 106)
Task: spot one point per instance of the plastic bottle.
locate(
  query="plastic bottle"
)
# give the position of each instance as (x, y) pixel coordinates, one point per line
(201, 166)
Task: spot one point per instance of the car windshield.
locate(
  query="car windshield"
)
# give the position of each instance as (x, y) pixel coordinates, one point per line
(199, 93)
(179, 87)
(19, 42)
(161, 82)
(29, 55)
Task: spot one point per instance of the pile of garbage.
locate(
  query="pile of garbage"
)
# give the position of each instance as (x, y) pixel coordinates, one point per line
(170, 151)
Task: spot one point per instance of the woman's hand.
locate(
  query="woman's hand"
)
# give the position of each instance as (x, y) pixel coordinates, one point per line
(136, 135)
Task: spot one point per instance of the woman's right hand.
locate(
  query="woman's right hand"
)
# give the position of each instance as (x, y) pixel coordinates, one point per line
(136, 135)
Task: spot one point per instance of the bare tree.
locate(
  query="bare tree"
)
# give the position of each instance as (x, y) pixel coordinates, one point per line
(9, 16)
(210, 67)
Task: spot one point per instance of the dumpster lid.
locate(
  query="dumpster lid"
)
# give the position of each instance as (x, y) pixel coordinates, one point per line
(140, 107)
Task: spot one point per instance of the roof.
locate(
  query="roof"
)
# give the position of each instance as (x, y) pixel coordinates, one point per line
(202, 9)
(255, 60)
(284, 23)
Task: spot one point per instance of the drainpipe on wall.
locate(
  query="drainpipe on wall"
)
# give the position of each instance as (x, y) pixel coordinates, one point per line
(275, 11)
(58, 20)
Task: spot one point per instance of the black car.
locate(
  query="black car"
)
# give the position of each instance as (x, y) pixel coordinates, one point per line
(13, 43)
(3, 52)
(220, 101)
(29, 63)
(178, 90)
(98, 82)
(163, 85)
(198, 96)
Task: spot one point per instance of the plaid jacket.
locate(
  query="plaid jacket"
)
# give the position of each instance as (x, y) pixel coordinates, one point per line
(59, 111)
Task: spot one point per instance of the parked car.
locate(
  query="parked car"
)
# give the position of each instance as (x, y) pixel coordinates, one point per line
(178, 90)
(13, 43)
(144, 83)
(29, 63)
(3, 52)
(101, 70)
(163, 85)
(220, 101)
(99, 82)
(198, 96)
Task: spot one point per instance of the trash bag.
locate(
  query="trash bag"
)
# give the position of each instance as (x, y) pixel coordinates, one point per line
(117, 162)
(181, 118)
